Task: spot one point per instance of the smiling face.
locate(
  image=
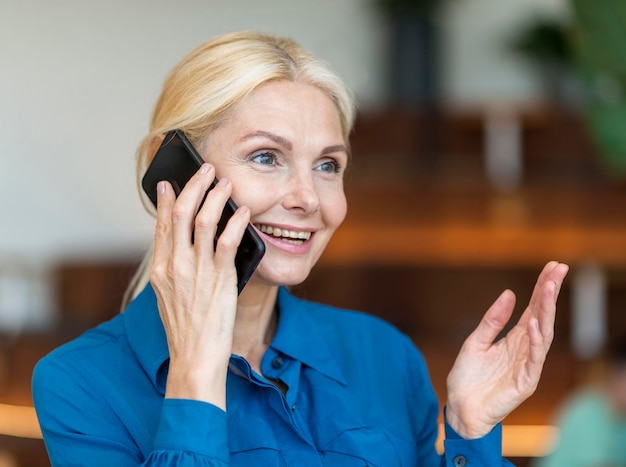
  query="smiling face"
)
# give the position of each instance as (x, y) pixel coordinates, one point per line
(284, 153)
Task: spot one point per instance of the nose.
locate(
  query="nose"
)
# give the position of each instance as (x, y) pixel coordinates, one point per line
(301, 194)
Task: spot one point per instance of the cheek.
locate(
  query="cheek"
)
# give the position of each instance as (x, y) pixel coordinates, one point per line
(247, 193)
(335, 208)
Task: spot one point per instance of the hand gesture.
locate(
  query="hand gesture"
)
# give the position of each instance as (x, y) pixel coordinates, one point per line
(490, 379)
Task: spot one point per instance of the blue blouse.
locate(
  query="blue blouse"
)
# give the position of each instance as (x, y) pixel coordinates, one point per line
(358, 394)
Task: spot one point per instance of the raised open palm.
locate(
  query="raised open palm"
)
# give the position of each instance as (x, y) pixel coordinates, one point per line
(491, 378)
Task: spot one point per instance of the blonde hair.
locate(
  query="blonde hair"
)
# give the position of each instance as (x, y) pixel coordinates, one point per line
(204, 88)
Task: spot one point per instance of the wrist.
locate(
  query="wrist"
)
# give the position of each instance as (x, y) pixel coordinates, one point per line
(465, 426)
(202, 384)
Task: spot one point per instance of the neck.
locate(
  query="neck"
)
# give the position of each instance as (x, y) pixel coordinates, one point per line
(256, 323)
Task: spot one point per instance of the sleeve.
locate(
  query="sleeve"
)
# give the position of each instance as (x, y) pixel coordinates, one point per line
(459, 452)
(200, 441)
(80, 428)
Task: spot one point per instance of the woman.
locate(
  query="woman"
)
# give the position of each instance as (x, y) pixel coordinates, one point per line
(192, 374)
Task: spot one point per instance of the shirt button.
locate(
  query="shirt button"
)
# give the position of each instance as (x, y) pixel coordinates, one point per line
(277, 363)
(459, 461)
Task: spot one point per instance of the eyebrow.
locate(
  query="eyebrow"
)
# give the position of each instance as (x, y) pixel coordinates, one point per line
(271, 136)
(287, 144)
(335, 148)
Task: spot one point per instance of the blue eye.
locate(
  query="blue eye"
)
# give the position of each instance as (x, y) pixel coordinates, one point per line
(329, 167)
(264, 158)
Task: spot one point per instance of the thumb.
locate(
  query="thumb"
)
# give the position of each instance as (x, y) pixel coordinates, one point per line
(494, 320)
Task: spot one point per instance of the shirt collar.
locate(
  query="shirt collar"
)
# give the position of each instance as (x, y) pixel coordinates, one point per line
(146, 336)
(298, 336)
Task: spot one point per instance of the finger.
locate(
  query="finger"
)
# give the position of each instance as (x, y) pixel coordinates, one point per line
(541, 326)
(163, 229)
(187, 205)
(229, 240)
(537, 353)
(553, 290)
(558, 275)
(494, 319)
(547, 314)
(553, 272)
(208, 218)
(543, 276)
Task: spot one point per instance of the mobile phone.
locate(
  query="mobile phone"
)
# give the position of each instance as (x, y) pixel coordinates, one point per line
(176, 161)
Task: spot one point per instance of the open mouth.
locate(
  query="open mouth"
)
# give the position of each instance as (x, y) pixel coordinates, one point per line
(289, 236)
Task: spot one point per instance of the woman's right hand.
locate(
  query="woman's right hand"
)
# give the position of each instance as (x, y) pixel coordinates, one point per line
(196, 285)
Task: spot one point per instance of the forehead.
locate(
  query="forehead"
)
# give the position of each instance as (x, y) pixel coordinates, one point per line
(286, 101)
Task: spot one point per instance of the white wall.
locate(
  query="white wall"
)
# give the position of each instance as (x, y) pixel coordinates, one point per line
(78, 80)
(479, 67)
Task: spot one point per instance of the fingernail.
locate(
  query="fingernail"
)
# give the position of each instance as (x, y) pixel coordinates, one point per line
(161, 187)
(204, 169)
(222, 182)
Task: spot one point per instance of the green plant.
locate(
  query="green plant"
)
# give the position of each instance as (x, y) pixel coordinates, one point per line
(412, 7)
(599, 46)
(544, 40)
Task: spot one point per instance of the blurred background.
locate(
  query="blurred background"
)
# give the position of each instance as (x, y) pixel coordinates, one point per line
(490, 139)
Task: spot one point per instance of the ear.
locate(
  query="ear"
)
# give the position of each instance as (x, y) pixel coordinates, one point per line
(154, 145)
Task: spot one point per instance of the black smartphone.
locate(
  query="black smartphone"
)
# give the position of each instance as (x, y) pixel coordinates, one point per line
(177, 161)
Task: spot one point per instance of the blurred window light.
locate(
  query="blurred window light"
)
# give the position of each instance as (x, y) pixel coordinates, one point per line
(19, 421)
(589, 313)
(503, 147)
(26, 298)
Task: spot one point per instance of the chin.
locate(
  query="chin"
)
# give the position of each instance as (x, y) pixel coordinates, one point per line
(279, 276)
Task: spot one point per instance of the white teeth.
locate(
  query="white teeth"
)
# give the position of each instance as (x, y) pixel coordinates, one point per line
(284, 233)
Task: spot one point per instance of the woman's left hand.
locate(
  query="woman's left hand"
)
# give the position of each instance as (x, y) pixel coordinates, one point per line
(490, 379)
